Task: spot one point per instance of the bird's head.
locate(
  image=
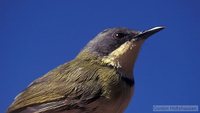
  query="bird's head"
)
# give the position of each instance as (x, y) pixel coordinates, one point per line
(117, 47)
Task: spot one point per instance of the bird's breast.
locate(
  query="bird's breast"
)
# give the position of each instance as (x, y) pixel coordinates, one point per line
(118, 100)
(118, 105)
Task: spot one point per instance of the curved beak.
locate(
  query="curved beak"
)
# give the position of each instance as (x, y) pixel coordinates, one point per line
(147, 33)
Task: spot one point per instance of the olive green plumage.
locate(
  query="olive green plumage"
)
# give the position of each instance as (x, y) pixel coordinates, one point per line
(78, 80)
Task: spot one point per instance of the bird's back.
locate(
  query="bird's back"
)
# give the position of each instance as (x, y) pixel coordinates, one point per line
(80, 86)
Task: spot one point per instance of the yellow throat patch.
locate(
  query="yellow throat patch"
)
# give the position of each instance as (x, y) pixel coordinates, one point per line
(124, 56)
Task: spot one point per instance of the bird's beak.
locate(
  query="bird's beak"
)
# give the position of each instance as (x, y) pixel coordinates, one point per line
(147, 33)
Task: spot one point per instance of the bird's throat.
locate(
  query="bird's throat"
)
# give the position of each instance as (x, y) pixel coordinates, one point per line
(124, 56)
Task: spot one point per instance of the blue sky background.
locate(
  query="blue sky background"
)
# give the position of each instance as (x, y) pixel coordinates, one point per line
(38, 35)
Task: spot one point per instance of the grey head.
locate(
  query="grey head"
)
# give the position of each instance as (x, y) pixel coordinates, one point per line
(118, 47)
(109, 40)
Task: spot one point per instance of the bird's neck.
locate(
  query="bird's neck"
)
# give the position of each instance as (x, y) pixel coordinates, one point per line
(124, 57)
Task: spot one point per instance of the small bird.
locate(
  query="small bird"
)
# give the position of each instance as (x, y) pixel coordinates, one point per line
(99, 80)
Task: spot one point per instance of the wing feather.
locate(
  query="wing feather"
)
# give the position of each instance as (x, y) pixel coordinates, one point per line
(69, 85)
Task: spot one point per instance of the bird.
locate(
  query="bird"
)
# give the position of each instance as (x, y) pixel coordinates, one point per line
(98, 80)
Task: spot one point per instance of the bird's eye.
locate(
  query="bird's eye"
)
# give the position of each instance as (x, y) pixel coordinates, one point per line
(119, 35)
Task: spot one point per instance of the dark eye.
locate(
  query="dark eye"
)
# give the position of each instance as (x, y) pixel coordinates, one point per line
(119, 35)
